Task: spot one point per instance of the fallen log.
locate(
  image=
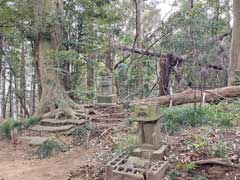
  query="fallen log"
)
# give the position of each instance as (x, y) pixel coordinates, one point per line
(191, 96)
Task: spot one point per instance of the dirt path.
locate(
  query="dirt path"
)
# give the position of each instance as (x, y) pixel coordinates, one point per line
(13, 165)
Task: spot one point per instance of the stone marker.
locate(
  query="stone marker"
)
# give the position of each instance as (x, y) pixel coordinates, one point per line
(149, 130)
(106, 95)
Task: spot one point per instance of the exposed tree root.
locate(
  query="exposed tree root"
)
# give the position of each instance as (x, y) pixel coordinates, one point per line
(67, 112)
(215, 161)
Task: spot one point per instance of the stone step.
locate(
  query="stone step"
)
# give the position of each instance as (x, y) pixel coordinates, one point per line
(55, 122)
(33, 140)
(70, 131)
(51, 129)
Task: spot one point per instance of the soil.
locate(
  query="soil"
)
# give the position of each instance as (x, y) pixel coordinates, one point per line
(16, 166)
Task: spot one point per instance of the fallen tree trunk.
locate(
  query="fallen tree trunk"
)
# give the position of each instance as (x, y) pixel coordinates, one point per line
(192, 96)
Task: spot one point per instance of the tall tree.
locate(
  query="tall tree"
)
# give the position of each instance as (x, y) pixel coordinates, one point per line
(90, 71)
(138, 5)
(49, 36)
(10, 94)
(23, 80)
(235, 46)
(3, 104)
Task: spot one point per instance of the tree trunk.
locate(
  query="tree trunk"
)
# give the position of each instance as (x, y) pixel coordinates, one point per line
(235, 53)
(10, 94)
(1, 65)
(16, 96)
(90, 71)
(50, 39)
(191, 2)
(23, 82)
(37, 72)
(192, 96)
(33, 94)
(1, 53)
(4, 91)
(138, 4)
(164, 75)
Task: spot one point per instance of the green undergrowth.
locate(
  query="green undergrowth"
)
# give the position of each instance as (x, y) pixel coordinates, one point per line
(8, 126)
(126, 144)
(29, 122)
(83, 130)
(84, 133)
(49, 148)
(222, 115)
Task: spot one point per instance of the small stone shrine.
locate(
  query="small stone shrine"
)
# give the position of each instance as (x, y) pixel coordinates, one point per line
(149, 134)
(146, 161)
(106, 95)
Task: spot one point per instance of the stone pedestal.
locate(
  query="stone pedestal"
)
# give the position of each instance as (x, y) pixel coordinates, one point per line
(106, 95)
(107, 99)
(151, 146)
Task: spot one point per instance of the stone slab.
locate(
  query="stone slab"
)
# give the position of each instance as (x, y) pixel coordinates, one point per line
(33, 140)
(51, 129)
(149, 153)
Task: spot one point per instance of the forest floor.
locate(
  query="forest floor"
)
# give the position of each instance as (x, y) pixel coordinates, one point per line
(86, 160)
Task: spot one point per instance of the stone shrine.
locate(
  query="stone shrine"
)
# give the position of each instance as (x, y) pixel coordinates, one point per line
(106, 95)
(146, 161)
(149, 130)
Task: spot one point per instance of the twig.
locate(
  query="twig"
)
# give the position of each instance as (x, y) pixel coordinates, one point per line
(88, 135)
(155, 84)
(104, 132)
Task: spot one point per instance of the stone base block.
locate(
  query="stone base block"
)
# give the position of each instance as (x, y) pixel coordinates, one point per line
(119, 169)
(124, 168)
(150, 154)
(107, 99)
(157, 171)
